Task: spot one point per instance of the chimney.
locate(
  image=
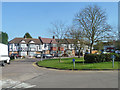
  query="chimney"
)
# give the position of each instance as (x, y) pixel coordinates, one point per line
(53, 37)
(39, 37)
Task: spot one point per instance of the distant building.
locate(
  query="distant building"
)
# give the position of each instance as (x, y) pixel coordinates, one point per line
(25, 46)
(49, 45)
(69, 46)
(32, 46)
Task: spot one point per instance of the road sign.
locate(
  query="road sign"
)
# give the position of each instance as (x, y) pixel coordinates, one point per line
(73, 60)
(113, 56)
(74, 63)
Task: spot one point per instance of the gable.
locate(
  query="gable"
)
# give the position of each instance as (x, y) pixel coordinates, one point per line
(22, 41)
(31, 41)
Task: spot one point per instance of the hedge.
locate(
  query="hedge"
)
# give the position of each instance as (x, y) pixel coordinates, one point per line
(96, 58)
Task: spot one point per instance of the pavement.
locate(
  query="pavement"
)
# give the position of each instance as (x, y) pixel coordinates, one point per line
(26, 74)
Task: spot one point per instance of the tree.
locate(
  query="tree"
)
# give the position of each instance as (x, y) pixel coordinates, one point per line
(77, 35)
(99, 46)
(3, 37)
(58, 30)
(117, 44)
(27, 35)
(92, 21)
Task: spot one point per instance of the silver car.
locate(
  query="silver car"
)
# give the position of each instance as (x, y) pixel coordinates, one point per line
(38, 55)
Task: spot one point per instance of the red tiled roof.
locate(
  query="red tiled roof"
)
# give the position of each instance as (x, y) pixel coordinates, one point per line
(48, 40)
(27, 40)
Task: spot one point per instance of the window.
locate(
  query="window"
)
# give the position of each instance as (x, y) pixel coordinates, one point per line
(23, 45)
(31, 45)
(54, 45)
(45, 46)
(37, 48)
(71, 46)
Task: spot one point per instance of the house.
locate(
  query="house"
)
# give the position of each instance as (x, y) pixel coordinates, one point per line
(69, 46)
(32, 46)
(62, 45)
(49, 45)
(25, 46)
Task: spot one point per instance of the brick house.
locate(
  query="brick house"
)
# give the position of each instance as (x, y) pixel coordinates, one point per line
(32, 46)
(69, 46)
(49, 45)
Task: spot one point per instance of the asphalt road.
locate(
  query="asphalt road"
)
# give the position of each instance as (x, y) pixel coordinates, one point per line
(25, 74)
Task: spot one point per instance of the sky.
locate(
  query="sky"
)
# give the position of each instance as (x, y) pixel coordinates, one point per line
(36, 17)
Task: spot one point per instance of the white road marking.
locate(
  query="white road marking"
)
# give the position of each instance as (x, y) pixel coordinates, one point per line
(14, 84)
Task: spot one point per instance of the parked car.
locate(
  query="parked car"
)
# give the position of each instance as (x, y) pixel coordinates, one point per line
(55, 55)
(65, 55)
(47, 56)
(117, 51)
(58, 55)
(38, 55)
(14, 55)
(87, 53)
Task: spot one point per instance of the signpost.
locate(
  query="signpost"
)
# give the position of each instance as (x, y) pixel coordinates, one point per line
(113, 57)
(74, 63)
(41, 56)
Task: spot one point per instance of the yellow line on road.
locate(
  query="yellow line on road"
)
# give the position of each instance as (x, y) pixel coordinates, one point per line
(34, 64)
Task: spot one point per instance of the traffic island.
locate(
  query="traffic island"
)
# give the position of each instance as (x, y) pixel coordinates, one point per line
(67, 64)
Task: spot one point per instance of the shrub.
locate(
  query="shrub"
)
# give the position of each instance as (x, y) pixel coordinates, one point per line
(65, 55)
(90, 58)
(96, 58)
(117, 57)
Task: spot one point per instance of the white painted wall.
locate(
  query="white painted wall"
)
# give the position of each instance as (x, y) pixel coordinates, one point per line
(23, 53)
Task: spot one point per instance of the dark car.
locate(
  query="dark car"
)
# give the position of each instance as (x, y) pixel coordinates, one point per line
(58, 55)
(14, 56)
(87, 53)
(47, 56)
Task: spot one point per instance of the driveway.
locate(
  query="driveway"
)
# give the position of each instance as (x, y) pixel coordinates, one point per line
(25, 74)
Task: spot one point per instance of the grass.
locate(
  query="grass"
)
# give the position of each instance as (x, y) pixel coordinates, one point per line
(66, 63)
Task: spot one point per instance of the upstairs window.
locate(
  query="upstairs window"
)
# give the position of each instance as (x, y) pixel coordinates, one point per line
(45, 46)
(71, 46)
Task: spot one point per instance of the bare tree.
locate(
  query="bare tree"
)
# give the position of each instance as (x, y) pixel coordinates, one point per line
(92, 20)
(77, 35)
(58, 30)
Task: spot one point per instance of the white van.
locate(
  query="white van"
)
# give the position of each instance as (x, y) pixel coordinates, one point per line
(4, 54)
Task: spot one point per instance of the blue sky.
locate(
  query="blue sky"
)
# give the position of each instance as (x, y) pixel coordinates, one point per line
(36, 17)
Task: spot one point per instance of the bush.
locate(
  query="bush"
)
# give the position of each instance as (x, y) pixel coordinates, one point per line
(96, 58)
(65, 55)
(92, 58)
(117, 57)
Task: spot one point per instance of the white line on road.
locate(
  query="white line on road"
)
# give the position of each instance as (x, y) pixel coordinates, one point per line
(14, 84)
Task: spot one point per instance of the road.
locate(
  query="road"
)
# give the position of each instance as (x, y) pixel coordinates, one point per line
(25, 74)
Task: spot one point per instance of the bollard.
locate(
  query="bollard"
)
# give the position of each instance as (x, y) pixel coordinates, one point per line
(73, 63)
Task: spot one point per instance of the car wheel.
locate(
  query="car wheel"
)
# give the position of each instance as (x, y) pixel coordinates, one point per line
(8, 62)
(3, 63)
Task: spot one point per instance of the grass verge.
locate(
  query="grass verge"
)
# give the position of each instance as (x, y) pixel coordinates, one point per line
(66, 63)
